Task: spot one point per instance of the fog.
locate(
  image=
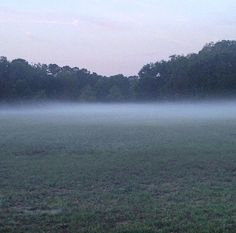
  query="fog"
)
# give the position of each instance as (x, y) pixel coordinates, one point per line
(112, 113)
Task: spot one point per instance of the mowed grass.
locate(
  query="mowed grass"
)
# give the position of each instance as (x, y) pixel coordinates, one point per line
(62, 173)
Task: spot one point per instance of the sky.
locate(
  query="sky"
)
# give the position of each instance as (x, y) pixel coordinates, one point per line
(111, 36)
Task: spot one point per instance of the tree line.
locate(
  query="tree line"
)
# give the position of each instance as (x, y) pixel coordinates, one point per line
(209, 73)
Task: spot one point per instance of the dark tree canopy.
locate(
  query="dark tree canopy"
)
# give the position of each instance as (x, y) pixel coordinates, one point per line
(209, 73)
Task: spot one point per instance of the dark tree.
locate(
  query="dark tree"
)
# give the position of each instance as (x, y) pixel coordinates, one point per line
(209, 73)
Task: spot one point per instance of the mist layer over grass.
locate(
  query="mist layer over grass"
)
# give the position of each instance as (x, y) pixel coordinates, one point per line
(125, 112)
(166, 167)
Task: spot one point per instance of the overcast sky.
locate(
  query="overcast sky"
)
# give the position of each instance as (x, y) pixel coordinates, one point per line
(111, 36)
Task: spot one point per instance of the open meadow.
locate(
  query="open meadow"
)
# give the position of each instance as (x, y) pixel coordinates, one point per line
(118, 168)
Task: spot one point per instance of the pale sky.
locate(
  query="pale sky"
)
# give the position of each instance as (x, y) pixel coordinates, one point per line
(111, 36)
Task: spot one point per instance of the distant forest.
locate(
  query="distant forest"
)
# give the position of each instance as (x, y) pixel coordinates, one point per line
(209, 73)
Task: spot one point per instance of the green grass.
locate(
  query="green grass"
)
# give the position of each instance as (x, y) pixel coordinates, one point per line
(72, 175)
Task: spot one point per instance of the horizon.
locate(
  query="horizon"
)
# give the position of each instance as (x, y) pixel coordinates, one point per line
(92, 71)
(111, 37)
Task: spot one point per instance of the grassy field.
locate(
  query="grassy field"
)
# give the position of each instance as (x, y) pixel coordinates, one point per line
(93, 173)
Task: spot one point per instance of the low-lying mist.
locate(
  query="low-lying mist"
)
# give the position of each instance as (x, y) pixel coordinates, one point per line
(123, 112)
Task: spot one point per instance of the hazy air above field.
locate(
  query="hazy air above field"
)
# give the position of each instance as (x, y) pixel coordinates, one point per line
(122, 113)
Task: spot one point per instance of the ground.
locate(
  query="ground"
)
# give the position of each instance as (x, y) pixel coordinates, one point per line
(69, 174)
